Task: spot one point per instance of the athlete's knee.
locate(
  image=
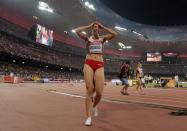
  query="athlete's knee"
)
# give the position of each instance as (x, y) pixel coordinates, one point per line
(99, 94)
(90, 91)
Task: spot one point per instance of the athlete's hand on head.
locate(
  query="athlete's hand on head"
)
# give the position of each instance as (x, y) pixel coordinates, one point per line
(99, 23)
(91, 24)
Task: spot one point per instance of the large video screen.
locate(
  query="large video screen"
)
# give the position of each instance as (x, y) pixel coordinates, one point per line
(44, 35)
(154, 57)
(171, 57)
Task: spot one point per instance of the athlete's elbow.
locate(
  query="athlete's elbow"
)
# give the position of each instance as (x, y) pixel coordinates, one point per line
(114, 33)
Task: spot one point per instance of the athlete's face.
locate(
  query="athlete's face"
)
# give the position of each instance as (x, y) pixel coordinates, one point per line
(95, 30)
(139, 65)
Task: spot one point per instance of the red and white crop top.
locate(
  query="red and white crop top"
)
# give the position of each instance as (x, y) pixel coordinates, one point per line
(95, 46)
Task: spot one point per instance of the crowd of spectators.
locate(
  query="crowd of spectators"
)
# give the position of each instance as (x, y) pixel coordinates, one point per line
(15, 42)
(29, 72)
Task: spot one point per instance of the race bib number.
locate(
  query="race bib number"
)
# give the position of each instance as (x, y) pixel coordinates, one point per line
(95, 49)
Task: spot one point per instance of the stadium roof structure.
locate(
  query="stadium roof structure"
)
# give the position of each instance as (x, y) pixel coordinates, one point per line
(68, 14)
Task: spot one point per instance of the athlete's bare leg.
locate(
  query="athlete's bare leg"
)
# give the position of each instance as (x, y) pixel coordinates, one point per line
(99, 85)
(88, 76)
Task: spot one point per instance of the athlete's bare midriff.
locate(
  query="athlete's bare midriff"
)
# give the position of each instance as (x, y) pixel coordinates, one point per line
(96, 57)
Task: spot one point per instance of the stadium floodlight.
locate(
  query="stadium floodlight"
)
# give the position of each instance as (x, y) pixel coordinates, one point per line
(90, 6)
(137, 33)
(50, 10)
(84, 32)
(41, 8)
(122, 46)
(73, 31)
(120, 28)
(128, 47)
(86, 3)
(45, 6)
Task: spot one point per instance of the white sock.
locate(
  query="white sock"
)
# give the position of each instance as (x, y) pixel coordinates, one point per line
(95, 111)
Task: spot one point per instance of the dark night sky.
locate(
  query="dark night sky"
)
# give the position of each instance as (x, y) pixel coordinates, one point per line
(151, 12)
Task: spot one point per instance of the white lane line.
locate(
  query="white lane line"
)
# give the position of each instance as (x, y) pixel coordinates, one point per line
(67, 94)
(83, 97)
(156, 105)
(118, 101)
